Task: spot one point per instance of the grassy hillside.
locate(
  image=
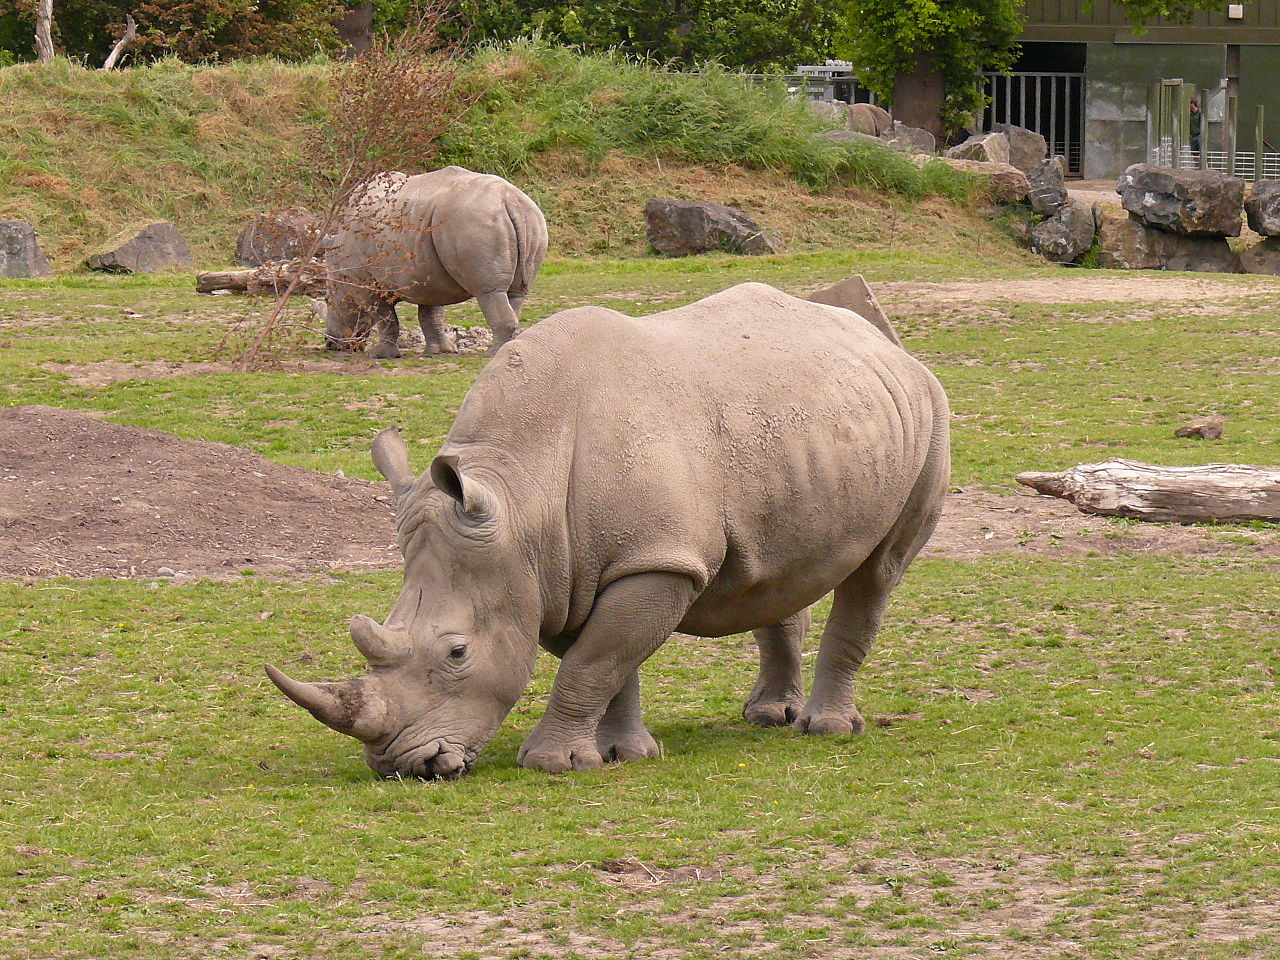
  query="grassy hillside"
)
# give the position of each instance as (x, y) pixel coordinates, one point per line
(87, 156)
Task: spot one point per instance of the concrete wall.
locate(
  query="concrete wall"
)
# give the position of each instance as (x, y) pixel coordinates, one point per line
(1259, 84)
(1117, 78)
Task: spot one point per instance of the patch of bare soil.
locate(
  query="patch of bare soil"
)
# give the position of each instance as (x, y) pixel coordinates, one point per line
(976, 523)
(104, 372)
(83, 497)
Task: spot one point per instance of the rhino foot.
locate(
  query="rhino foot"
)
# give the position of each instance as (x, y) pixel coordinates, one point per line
(382, 352)
(776, 711)
(819, 721)
(628, 744)
(554, 757)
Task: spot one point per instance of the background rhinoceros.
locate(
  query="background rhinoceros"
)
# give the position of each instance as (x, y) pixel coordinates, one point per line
(712, 469)
(432, 239)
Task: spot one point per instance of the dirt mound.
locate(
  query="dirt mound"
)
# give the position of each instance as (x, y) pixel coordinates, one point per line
(82, 497)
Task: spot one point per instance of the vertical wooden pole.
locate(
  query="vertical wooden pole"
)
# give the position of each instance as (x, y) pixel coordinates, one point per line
(1204, 128)
(1231, 136)
(1153, 122)
(1258, 145)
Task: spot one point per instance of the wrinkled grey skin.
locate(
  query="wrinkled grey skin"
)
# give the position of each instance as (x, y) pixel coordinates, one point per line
(712, 469)
(433, 239)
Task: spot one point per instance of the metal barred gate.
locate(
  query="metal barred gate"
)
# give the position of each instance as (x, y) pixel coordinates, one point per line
(1051, 104)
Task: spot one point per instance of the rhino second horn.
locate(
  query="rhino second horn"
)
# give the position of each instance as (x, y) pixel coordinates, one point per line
(344, 707)
(380, 646)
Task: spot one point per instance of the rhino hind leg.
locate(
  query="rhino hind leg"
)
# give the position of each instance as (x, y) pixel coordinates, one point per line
(502, 319)
(386, 327)
(778, 695)
(436, 337)
(629, 621)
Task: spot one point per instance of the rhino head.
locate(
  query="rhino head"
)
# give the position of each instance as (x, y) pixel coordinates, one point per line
(457, 650)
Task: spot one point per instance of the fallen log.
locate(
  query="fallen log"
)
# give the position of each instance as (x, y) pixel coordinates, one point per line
(1213, 493)
(270, 279)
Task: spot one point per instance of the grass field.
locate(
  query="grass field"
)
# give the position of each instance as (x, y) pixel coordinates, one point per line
(1070, 756)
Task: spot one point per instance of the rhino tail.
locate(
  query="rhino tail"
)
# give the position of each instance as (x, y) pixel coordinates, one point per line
(531, 242)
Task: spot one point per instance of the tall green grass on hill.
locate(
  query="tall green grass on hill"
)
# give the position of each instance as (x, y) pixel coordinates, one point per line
(89, 156)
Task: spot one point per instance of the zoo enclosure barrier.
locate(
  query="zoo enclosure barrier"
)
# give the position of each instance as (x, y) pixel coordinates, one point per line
(1169, 132)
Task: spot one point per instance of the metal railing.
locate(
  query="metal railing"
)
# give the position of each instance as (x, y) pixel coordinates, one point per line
(1051, 104)
(1175, 139)
(1242, 165)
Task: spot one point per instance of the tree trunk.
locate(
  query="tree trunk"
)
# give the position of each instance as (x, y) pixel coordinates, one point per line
(1216, 492)
(124, 44)
(268, 279)
(355, 29)
(917, 96)
(44, 31)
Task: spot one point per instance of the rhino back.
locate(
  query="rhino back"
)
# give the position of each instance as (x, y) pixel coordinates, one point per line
(733, 440)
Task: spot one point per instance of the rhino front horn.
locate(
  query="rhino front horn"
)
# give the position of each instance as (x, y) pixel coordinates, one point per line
(348, 707)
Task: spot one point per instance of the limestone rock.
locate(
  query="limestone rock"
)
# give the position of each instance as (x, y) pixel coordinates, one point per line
(1066, 236)
(155, 247)
(909, 139)
(20, 253)
(1027, 149)
(1263, 208)
(1263, 257)
(1196, 203)
(829, 109)
(281, 235)
(851, 136)
(680, 228)
(989, 147)
(1005, 183)
(1047, 191)
(1128, 245)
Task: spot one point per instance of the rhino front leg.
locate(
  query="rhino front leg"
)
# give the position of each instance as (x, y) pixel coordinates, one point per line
(778, 695)
(387, 331)
(502, 320)
(621, 733)
(437, 337)
(629, 621)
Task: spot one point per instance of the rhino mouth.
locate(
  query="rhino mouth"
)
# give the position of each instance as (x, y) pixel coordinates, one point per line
(436, 760)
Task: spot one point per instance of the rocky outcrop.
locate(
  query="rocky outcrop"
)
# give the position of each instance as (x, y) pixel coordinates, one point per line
(680, 228)
(1004, 182)
(155, 247)
(1128, 245)
(281, 235)
(1263, 208)
(828, 109)
(1027, 149)
(909, 139)
(1066, 236)
(987, 147)
(851, 136)
(1195, 203)
(1262, 257)
(1046, 187)
(20, 253)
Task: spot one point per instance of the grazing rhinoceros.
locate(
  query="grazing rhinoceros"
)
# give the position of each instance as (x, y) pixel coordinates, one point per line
(711, 469)
(433, 239)
(868, 118)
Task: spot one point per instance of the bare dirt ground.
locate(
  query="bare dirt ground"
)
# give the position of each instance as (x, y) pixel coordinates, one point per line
(82, 497)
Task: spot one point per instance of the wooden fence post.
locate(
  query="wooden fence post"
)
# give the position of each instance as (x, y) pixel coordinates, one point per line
(1230, 134)
(1258, 145)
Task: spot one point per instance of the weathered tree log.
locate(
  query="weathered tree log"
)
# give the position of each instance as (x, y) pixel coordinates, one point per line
(270, 279)
(124, 44)
(1215, 492)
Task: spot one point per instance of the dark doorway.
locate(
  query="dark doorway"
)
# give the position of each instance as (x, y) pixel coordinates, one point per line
(1044, 93)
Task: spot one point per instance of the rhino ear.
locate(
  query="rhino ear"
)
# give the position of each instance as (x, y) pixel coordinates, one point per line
(391, 457)
(477, 502)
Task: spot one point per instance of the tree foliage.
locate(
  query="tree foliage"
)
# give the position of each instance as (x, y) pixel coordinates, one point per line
(752, 34)
(190, 29)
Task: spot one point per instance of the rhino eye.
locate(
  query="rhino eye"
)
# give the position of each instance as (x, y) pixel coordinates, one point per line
(458, 652)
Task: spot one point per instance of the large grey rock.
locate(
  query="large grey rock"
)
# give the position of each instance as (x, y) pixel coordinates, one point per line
(1046, 187)
(987, 147)
(155, 247)
(1027, 149)
(1066, 236)
(1128, 245)
(1004, 182)
(1196, 203)
(909, 139)
(829, 109)
(1262, 257)
(1263, 208)
(20, 253)
(680, 228)
(851, 136)
(280, 235)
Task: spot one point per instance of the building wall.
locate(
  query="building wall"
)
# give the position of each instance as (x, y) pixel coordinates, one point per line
(1259, 84)
(1117, 78)
(1102, 20)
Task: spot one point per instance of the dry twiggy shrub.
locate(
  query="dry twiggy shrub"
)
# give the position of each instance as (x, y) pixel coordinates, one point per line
(387, 109)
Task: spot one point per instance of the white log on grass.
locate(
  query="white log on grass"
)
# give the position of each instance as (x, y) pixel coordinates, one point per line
(44, 31)
(124, 44)
(1213, 493)
(270, 279)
